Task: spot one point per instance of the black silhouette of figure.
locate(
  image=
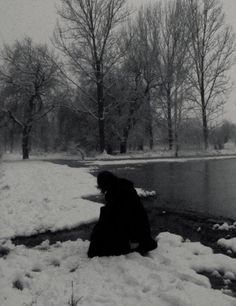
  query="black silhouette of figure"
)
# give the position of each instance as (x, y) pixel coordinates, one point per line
(123, 222)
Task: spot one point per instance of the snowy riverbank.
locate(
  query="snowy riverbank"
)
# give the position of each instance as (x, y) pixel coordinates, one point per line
(37, 196)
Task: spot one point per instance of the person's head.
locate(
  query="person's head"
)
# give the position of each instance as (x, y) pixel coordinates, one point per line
(106, 180)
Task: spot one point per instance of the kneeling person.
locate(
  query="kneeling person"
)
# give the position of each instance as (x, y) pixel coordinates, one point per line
(123, 225)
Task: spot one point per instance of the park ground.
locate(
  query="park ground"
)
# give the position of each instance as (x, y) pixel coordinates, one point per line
(37, 196)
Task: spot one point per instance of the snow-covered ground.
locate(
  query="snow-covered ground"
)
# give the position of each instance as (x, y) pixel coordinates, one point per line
(36, 196)
(43, 276)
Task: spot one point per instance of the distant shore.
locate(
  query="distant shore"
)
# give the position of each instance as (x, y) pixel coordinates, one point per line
(161, 155)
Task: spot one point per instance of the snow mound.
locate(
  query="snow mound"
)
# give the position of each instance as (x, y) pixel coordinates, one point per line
(228, 244)
(145, 193)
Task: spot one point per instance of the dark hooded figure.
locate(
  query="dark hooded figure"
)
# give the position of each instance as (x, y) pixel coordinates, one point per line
(123, 222)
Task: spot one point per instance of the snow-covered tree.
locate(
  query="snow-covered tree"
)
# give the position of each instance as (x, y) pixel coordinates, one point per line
(29, 77)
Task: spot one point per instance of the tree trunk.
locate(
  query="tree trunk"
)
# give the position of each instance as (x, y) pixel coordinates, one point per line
(150, 137)
(176, 127)
(100, 101)
(169, 123)
(149, 128)
(109, 149)
(12, 139)
(5, 140)
(101, 128)
(149, 122)
(123, 146)
(25, 142)
(205, 129)
(27, 128)
(140, 147)
(204, 116)
(123, 142)
(176, 144)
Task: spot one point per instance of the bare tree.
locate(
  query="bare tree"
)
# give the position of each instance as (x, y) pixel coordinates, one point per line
(28, 80)
(134, 80)
(143, 53)
(211, 49)
(129, 94)
(172, 64)
(155, 68)
(129, 107)
(88, 38)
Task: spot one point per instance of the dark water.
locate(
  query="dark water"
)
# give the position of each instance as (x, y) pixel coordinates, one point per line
(207, 187)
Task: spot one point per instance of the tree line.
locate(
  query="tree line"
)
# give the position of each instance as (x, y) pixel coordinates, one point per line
(115, 79)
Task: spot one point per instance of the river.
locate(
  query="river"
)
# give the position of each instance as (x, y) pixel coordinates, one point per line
(207, 187)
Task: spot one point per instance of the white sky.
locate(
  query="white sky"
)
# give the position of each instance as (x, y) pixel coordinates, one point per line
(37, 18)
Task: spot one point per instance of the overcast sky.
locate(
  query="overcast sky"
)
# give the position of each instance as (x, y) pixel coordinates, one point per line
(37, 18)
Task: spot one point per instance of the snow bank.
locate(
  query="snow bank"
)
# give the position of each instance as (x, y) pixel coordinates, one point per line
(196, 256)
(224, 227)
(38, 196)
(229, 244)
(43, 276)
